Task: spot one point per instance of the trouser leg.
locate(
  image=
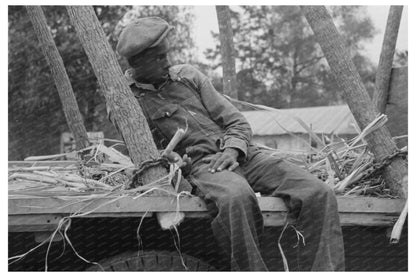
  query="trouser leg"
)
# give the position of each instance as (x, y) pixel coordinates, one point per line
(239, 221)
(311, 201)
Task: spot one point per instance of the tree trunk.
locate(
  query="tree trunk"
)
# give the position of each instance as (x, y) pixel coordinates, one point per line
(379, 142)
(227, 52)
(386, 58)
(56, 64)
(124, 110)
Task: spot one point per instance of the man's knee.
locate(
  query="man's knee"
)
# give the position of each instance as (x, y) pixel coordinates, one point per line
(237, 192)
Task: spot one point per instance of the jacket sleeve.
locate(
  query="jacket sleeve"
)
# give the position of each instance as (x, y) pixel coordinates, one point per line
(238, 132)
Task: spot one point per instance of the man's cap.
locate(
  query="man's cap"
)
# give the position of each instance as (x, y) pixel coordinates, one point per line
(144, 33)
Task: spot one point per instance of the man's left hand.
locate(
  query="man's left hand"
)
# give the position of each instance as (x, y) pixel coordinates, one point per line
(183, 162)
(223, 160)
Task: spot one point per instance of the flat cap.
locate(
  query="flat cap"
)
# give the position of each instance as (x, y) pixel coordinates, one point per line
(144, 33)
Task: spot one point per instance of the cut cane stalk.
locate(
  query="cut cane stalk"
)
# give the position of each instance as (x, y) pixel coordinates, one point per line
(41, 168)
(33, 177)
(74, 178)
(170, 220)
(398, 226)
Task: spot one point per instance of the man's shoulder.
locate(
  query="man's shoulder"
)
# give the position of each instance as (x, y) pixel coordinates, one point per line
(181, 71)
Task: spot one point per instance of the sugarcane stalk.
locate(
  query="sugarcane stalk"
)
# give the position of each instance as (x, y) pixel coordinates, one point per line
(180, 133)
(334, 165)
(40, 168)
(398, 226)
(85, 181)
(33, 177)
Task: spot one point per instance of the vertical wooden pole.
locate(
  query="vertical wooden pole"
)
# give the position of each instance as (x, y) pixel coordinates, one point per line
(227, 51)
(347, 77)
(386, 58)
(60, 76)
(124, 110)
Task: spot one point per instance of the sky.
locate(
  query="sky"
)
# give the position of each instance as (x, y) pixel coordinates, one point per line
(206, 21)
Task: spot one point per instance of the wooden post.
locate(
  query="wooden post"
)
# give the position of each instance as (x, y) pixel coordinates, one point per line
(60, 76)
(124, 110)
(386, 58)
(348, 79)
(227, 52)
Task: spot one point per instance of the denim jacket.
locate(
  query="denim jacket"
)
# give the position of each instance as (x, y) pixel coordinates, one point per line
(189, 101)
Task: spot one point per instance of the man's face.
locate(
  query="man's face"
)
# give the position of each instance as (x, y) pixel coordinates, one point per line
(152, 65)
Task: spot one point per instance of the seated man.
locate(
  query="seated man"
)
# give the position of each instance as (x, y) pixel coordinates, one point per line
(226, 166)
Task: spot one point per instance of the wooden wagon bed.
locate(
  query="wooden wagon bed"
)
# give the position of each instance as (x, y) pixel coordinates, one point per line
(31, 214)
(43, 214)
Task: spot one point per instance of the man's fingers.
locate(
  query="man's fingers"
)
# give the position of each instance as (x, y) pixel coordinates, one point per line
(212, 164)
(206, 160)
(186, 160)
(172, 157)
(225, 164)
(212, 161)
(218, 163)
(233, 166)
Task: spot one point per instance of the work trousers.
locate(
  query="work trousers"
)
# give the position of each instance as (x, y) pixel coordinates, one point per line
(238, 222)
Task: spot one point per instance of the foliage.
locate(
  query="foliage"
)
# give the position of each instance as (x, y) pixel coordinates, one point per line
(401, 58)
(36, 119)
(281, 65)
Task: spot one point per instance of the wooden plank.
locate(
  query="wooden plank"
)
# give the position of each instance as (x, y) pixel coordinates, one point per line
(35, 223)
(370, 205)
(124, 205)
(367, 219)
(345, 204)
(274, 218)
(14, 164)
(186, 204)
(32, 223)
(40, 214)
(346, 219)
(49, 222)
(46, 235)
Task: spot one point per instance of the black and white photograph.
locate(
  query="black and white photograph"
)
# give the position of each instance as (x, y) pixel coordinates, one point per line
(191, 138)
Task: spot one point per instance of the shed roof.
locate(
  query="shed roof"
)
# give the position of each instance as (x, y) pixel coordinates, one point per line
(322, 120)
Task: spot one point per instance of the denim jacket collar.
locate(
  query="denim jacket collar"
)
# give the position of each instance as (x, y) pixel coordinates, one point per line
(129, 73)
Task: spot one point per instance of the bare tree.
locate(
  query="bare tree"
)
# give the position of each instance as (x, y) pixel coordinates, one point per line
(386, 58)
(227, 51)
(379, 142)
(124, 110)
(56, 64)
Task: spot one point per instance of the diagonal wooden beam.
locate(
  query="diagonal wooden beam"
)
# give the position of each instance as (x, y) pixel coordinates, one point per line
(227, 51)
(60, 76)
(379, 141)
(386, 58)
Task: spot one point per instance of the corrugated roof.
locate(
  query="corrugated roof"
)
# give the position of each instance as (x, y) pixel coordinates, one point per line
(323, 120)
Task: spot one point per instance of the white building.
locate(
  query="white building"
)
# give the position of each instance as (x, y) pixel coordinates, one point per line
(283, 128)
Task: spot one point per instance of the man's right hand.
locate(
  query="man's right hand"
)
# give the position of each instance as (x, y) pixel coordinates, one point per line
(223, 160)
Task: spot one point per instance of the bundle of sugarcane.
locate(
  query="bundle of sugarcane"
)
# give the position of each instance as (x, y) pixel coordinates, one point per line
(349, 167)
(101, 170)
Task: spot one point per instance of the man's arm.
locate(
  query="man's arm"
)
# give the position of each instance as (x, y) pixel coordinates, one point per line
(237, 130)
